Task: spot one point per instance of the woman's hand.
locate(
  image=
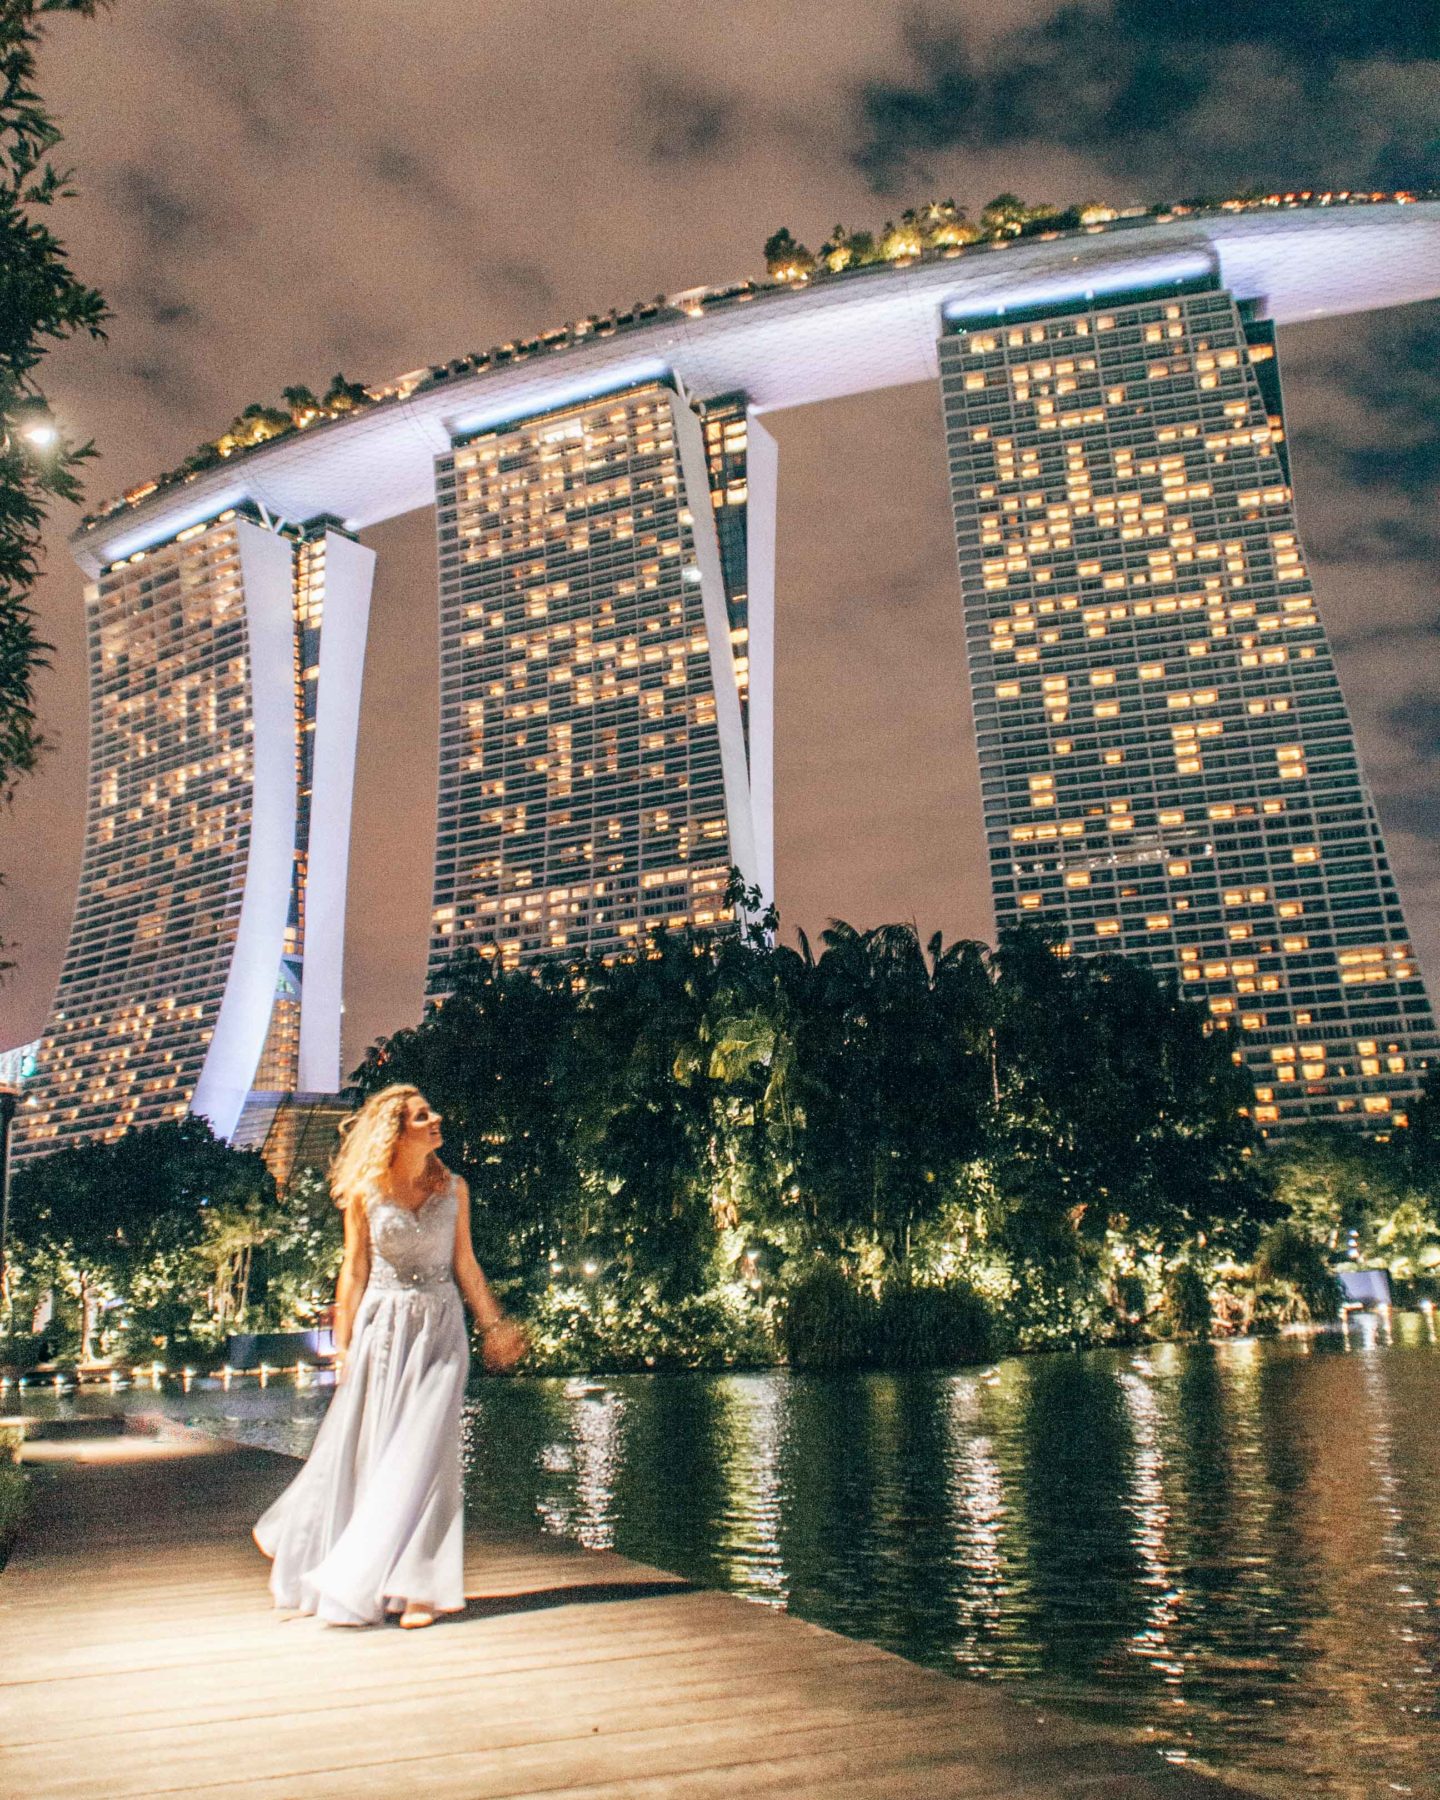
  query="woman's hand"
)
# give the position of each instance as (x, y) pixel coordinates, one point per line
(502, 1341)
(502, 1346)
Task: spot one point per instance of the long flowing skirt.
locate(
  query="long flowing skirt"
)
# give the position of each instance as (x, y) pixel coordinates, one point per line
(374, 1521)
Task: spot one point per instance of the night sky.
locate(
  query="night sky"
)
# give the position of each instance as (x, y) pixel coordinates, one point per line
(273, 192)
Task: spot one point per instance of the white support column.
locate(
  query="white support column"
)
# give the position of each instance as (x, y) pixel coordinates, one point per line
(762, 470)
(267, 575)
(349, 577)
(738, 808)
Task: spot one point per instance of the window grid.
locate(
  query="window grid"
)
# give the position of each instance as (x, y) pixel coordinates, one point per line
(1167, 765)
(168, 831)
(167, 840)
(582, 802)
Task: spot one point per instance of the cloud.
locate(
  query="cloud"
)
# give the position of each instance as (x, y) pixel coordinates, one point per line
(164, 216)
(167, 228)
(1182, 98)
(1417, 718)
(1397, 383)
(1411, 811)
(1371, 436)
(681, 120)
(417, 181)
(261, 67)
(1317, 35)
(272, 192)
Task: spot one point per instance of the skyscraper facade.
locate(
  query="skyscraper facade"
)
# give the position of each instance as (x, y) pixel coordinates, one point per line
(216, 746)
(1167, 766)
(594, 777)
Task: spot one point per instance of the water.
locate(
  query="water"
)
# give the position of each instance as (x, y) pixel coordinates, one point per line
(1234, 1550)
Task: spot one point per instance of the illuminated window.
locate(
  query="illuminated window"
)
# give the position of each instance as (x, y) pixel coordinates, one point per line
(1183, 516)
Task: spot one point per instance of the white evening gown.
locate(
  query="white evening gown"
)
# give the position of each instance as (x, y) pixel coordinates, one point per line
(374, 1520)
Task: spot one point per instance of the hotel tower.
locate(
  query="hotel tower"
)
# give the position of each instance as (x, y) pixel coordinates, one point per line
(595, 718)
(1168, 769)
(204, 965)
(1167, 766)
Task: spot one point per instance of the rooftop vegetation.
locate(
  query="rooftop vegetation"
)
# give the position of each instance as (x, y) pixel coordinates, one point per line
(938, 228)
(257, 424)
(937, 225)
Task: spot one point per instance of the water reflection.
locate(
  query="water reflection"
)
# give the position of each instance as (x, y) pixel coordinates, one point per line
(749, 1540)
(1150, 1531)
(977, 1570)
(1235, 1549)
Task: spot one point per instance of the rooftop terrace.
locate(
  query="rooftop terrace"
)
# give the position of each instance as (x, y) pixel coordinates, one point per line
(366, 453)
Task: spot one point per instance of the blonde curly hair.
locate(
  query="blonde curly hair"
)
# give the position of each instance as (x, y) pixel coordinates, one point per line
(367, 1146)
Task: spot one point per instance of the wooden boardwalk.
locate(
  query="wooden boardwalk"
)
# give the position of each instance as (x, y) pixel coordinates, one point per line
(139, 1655)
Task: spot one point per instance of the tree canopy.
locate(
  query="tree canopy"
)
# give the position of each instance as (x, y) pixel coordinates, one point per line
(936, 225)
(723, 1149)
(42, 303)
(721, 1109)
(183, 1236)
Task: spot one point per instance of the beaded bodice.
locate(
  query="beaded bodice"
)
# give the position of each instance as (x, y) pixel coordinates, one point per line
(413, 1248)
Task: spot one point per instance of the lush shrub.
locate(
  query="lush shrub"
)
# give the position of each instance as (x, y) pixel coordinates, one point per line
(159, 1333)
(1271, 1306)
(931, 1327)
(826, 1322)
(14, 1502)
(14, 1490)
(1187, 1309)
(184, 1352)
(1293, 1262)
(590, 1328)
(1059, 1306)
(1129, 1298)
(25, 1351)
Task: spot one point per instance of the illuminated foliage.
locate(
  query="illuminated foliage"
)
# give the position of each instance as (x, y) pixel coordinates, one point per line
(41, 304)
(1038, 1138)
(151, 1220)
(1365, 1202)
(785, 259)
(721, 1152)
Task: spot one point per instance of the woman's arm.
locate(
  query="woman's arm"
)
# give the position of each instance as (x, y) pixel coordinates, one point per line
(354, 1273)
(505, 1342)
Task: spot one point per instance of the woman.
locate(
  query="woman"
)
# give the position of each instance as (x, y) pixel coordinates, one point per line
(373, 1524)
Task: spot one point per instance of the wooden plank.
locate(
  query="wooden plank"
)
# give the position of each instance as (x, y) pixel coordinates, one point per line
(492, 1659)
(107, 1706)
(141, 1654)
